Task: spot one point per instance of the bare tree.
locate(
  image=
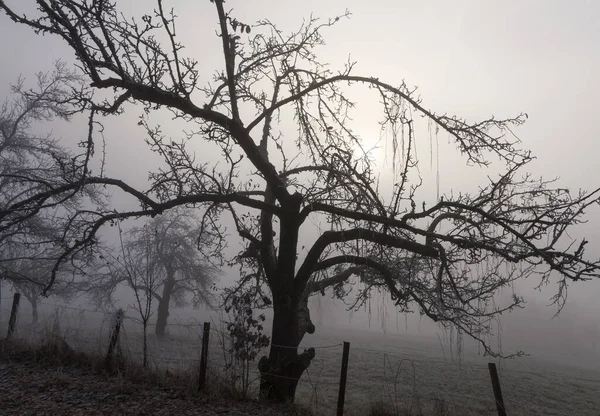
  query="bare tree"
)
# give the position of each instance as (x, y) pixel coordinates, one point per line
(446, 260)
(170, 246)
(36, 166)
(138, 272)
(26, 273)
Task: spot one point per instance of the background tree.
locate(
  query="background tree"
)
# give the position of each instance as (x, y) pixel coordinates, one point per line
(33, 216)
(27, 272)
(137, 270)
(445, 260)
(170, 246)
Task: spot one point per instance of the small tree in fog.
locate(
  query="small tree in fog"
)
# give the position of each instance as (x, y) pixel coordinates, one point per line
(289, 161)
(136, 270)
(26, 274)
(170, 246)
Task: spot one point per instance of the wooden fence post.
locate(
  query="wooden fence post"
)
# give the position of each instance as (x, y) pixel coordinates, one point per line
(204, 356)
(114, 339)
(343, 376)
(13, 315)
(497, 391)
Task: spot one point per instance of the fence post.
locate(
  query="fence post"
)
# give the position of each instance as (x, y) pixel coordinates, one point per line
(204, 356)
(497, 391)
(343, 376)
(114, 338)
(13, 315)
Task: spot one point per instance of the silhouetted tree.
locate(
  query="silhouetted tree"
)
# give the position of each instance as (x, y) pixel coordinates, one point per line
(446, 260)
(26, 271)
(170, 247)
(34, 168)
(138, 271)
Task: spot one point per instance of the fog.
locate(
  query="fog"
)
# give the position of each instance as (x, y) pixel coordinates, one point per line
(469, 58)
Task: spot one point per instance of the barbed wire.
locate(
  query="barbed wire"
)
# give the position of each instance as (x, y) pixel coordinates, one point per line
(197, 327)
(490, 409)
(309, 346)
(329, 346)
(20, 329)
(107, 314)
(469, 365)
(317, 384)
(99, 311)
(153, 324)
(339, 344)
(51, 333)
(547, 373)
(163, 358)
(416, 359)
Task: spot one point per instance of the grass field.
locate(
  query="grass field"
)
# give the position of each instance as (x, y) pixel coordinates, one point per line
(405, 374)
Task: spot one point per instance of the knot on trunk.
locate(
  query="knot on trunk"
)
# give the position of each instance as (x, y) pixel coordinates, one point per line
(264, 365)
(305, 325)
(279, 377)
(306, 357)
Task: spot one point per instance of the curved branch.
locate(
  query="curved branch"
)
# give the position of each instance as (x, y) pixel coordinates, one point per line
(152, 292)
(442, 121)
(143, 198)
(235, 128)
(330, 237)
(366, 262)
(313, 286)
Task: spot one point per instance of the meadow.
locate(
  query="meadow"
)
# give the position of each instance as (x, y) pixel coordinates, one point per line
(403, 374)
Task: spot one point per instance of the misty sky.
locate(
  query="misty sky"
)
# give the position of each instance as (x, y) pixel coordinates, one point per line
(470, 58)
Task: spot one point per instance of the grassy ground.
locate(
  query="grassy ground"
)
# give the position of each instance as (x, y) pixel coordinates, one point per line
(387, 375)
(52, 379)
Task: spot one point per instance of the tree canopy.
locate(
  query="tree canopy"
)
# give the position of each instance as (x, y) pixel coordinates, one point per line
(445, 261)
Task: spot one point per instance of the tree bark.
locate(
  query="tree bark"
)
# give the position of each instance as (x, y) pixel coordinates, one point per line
(283, 368)
(163, 308)
(34, 309)
(281, 371)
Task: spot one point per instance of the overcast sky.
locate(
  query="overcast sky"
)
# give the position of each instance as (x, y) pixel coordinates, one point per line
(470, 58)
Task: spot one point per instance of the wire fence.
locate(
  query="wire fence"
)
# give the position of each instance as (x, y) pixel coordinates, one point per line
(401, 383)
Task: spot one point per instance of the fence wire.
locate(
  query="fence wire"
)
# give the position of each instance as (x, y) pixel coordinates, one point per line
(402, 381)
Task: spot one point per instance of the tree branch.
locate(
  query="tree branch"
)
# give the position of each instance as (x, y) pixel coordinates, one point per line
(229, 53)
(315, 286)
(330, 237)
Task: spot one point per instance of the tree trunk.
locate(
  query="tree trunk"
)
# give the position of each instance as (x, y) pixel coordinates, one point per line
(283, 368)
(163, 308)
(34, 309)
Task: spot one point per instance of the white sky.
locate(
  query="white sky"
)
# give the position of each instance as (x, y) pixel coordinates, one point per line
(468, 57)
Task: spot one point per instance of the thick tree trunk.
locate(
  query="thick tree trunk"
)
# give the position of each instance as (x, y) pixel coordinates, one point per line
(283, 368)
(163, 308)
